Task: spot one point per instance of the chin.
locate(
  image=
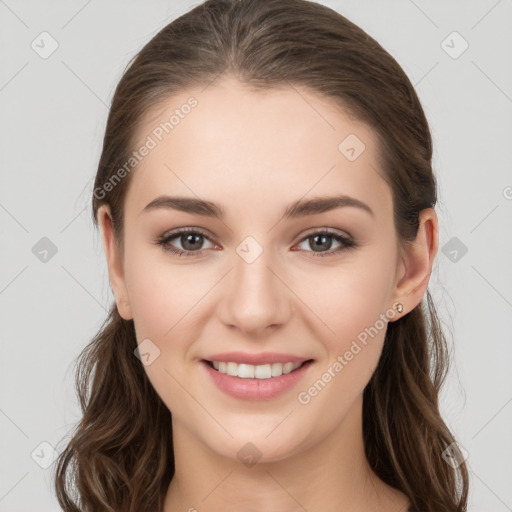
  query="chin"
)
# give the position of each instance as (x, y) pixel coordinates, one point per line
(251, 447)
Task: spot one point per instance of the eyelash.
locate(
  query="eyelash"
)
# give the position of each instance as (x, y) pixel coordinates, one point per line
(164, 242)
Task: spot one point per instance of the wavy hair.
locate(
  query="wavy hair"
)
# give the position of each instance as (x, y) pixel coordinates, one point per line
(120, 454)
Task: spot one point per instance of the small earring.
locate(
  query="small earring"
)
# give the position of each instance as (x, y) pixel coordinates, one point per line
(399, 307)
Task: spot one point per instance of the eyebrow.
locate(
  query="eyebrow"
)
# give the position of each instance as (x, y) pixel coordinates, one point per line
(300, 208)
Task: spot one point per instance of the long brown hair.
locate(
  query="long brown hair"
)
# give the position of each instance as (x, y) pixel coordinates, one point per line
(120, 456)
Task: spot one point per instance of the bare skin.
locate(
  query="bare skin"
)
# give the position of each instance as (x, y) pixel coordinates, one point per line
(254, 153)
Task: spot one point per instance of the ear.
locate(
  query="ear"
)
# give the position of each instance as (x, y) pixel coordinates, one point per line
(416, 261)
(114, 262)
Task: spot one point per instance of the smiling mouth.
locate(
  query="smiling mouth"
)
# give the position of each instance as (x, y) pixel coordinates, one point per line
(261, 371)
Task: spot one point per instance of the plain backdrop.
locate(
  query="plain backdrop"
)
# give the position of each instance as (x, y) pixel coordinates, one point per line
(53, 115)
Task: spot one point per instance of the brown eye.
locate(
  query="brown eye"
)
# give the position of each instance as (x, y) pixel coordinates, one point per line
(191, 241)
(322, 241)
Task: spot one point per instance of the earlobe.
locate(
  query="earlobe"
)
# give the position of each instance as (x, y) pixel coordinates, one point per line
(417, 259)
(114, 262)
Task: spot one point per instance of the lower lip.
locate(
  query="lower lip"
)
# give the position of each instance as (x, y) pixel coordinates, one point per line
(256, 389)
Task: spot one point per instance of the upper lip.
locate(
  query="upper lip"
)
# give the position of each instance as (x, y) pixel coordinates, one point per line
(256, 359)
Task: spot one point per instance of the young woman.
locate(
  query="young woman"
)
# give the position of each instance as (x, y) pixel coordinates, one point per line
(266, 200)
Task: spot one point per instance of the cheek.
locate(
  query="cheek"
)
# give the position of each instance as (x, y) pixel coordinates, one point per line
(350, 299)
(162, 301)
(353, 308)
(161, 295)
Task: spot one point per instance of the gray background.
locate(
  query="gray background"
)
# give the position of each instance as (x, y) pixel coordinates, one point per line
(53, 117)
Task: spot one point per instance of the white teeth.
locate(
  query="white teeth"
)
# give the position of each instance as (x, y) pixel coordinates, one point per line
(232, 369)
(263, 371)
(277, 369)
(287, 367)
(249, 371)
(245, 371)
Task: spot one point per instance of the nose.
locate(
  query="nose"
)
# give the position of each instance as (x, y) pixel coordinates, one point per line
(255, 296)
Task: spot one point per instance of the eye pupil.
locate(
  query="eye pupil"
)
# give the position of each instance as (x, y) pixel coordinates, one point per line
(188, 240)
(322, 244)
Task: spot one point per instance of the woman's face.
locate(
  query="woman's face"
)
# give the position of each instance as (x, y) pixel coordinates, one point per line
(256, 282)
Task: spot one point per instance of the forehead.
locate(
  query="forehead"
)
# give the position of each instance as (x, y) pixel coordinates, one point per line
(247, 148)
